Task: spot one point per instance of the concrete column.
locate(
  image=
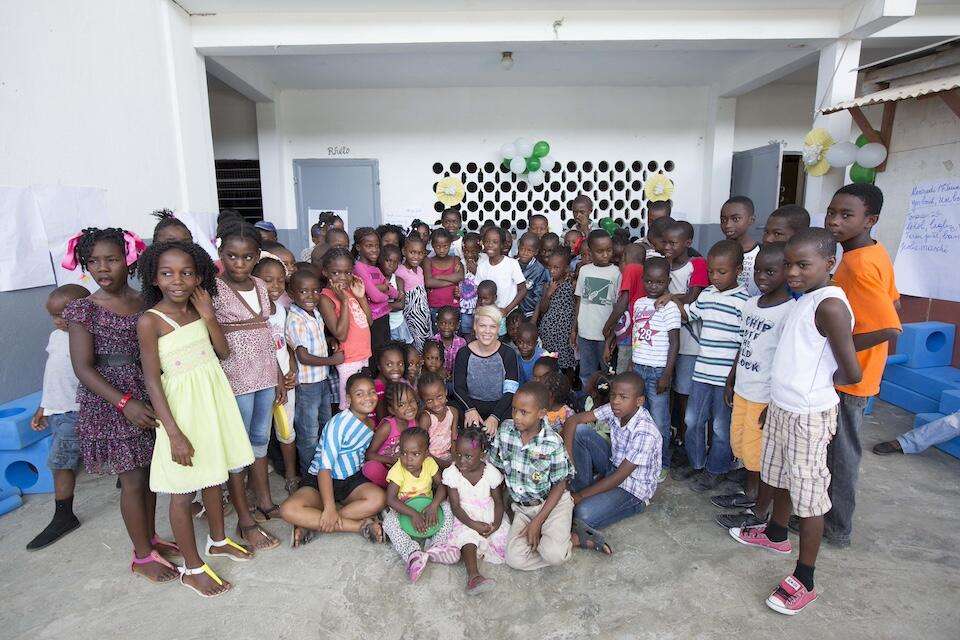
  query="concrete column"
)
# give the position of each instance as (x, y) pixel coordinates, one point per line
(717, 157)
(271, 167)
(836, 81)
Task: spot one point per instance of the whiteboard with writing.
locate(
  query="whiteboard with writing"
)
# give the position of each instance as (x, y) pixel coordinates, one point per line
(930, 245)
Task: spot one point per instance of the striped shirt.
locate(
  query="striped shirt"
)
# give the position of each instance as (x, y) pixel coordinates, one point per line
(720, 313)
(305, 330)
(638, 441)
(342, 446)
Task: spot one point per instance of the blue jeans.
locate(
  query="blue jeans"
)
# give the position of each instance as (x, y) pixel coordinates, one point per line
(256, 409)
(706, 406)
(937, 432)
(466, 324)
(591, 457)
(843, 461)
(591, 354)
(658, 404)
(311, 413)
(401, 333)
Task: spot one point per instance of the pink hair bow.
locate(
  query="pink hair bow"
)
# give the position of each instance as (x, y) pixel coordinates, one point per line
(134, 246)
(69, 261)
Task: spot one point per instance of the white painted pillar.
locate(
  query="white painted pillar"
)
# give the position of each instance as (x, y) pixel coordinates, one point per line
(717, 157)
(836, 81)
(270, 145)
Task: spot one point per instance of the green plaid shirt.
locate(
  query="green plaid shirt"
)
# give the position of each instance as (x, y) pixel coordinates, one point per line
(530, 469)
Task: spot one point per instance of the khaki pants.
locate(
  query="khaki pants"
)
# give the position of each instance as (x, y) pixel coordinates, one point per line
(555, 546)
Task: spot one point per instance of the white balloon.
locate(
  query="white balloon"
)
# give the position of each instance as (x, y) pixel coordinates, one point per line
(871, 155)
(508, 151)
(524, 147)
(842, 154)
(536, 178)
(518, 165)
(547, 163)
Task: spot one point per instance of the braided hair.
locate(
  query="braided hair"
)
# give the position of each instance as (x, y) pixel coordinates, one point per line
(474, 434)
(386, 347)
(166, 218)
(394, 391)
(91, 236)
(150, 260)
(559, 387)
(415, 432)
(236, 227)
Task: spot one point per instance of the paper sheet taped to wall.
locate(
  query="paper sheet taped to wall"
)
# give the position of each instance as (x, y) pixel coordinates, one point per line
(930, 245)
(403, 217)
(64, 211)
(24, 256)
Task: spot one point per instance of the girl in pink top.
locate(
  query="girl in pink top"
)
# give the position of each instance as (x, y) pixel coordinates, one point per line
(346, 315)
(379, 293)
(382, 453)
(442, 274)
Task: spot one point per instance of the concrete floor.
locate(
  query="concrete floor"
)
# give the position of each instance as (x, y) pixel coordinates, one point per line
(675, 574)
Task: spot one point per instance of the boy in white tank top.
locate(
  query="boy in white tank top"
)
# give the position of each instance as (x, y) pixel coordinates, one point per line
(815, 353)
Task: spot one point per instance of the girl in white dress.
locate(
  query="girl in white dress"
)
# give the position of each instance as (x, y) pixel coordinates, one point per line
(473, 490)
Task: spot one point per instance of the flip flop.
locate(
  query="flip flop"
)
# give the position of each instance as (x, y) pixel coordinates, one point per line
(369, 533)
(590, 538)
(195, 572)
(306, 537)
(247, 557)
(261, 515)
(153, 556)
(242, 531)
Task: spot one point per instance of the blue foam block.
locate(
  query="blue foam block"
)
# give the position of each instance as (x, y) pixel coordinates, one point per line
(26, 469)
(950, 401)
(907, 399)
(15, 431)
(927, 382)
(927, 344)
(951, 447)
(869, 408)
(9, 499)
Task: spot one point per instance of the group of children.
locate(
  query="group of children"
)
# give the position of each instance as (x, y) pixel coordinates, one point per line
(465, 400)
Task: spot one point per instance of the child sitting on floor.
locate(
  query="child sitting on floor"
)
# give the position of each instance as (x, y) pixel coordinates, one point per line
(401, 402)
(438, 418)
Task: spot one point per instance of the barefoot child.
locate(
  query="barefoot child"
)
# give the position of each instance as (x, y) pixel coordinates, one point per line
(400, 401)
(58, 411)
(534, 463)
(416, 475)
(115, 425)
(335, 476)
(479, 527)
(816, 351)
(438, 418)
(202, 435)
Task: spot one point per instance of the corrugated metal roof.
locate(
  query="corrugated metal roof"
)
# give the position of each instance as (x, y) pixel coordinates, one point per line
(895, 94)
(913, 54)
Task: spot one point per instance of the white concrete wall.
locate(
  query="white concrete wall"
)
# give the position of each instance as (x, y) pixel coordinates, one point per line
(774, 112)
(925, 147)
(233, 121)
(409, 130)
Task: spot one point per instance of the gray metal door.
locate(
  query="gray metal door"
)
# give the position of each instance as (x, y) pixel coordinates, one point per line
(351, 185)
(756, 174)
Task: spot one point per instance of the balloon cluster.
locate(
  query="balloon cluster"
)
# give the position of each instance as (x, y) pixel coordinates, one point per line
(528, 159)
(609, 225)
(863, 157)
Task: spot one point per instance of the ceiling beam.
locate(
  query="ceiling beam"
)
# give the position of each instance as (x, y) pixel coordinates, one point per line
(243, 76)
(865, 18)
(760, 70)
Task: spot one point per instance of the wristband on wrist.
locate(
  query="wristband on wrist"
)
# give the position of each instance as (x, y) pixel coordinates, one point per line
(124, 400)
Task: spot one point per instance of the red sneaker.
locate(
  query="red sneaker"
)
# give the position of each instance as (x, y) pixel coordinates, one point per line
(757, 537)
(791, 597)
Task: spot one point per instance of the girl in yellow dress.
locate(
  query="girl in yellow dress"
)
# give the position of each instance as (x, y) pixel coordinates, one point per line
(201, 437)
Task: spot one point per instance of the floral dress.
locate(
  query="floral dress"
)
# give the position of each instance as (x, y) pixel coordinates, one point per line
(557, 323)
(109, 443)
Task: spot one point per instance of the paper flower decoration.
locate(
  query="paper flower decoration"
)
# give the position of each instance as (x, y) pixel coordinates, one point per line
(450, 191)
(658, 188)
(815, 146)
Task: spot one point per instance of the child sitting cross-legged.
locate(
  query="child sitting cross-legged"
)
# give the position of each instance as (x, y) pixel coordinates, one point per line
(417, 474)
(535, 465)
(438, 418)
(335, 476)
(614, 480)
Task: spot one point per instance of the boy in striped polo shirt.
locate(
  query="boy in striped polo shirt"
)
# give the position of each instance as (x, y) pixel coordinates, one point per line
(719, 308)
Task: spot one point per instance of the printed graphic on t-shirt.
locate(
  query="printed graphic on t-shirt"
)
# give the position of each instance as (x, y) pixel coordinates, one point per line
(357, 312)
(642, 330)
(597, 291)
(753, 328)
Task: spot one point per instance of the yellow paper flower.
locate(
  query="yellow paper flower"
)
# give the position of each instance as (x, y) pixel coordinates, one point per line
(815, 145)
(658, 188)
(450, 191)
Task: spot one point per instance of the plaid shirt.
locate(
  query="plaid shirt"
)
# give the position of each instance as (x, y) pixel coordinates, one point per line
(450, 353)
(306, 330)
(530, 469)
(638, 441)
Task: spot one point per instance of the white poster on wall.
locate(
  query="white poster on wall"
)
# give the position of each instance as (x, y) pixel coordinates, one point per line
(24, 256)
(64, 211)
(930, 245)
(403, 217)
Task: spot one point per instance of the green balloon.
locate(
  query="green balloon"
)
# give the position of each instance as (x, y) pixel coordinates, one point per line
(862, 139)
(608, 224)
(862, 175)
(533, 163)
(506, 164)
(541, 149)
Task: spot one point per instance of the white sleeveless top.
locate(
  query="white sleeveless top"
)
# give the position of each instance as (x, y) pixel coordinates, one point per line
(804, 364)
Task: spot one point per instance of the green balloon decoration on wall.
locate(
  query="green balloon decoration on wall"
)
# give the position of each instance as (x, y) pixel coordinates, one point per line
(609, 225)
(862, 175)
(533, 163)
(862, 139)
(541, 149)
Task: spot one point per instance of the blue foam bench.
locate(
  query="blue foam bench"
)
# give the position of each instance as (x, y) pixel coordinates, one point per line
(26, 469)
(9, 499)
(15, 416)
(927, 382)
(907, 399)
(950, 402)
(951, 447)
(927, 344)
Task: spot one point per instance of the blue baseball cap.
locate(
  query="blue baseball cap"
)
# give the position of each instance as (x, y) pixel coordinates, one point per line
(266, 226)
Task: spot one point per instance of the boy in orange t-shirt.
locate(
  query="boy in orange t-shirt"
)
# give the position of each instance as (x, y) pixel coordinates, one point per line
(866, 276)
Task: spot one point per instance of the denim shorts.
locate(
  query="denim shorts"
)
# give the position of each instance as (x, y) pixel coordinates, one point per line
(256, 409)
(64, 445)
(683, 374)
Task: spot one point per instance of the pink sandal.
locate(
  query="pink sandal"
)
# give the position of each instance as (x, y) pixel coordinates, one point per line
(153, 556)
(157, 541)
